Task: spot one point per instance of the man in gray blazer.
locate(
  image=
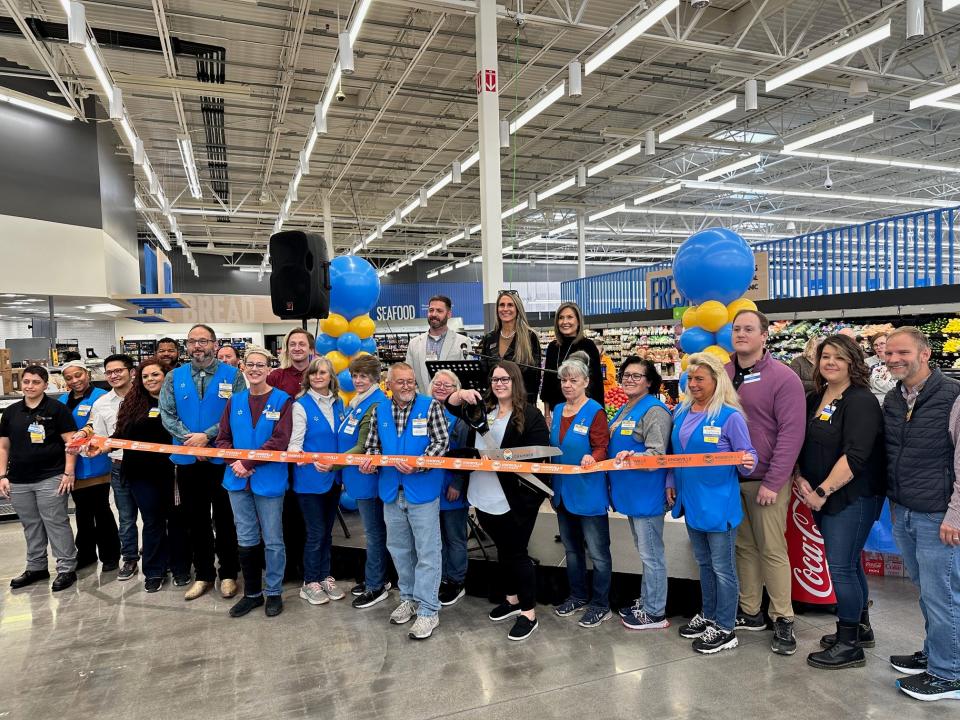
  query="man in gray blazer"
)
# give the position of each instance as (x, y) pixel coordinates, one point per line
(438, 343)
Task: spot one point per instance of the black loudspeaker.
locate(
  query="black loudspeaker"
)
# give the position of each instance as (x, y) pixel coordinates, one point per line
(300, 276)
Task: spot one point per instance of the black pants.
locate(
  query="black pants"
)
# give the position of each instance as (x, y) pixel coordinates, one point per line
(294, 533)
(97, 534)
(511, 534)
(164, 534)
(201, 490)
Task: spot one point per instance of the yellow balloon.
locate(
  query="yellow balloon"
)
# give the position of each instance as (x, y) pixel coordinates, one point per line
(346, 396)
(711, 315)
(689, 319)
(719, 353)
(334, 325)
(338, 359)
(738, 305)
(684, 361)
(363, 326)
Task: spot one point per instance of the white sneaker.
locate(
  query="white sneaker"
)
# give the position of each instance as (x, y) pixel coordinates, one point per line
(423, 627)
(404, 612)
(330, 588)
(313, 593)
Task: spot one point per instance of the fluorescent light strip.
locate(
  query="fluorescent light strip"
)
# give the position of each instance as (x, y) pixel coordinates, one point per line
(935, 96)
(537, 239)
(470, 162)
(701, 118)
(558, 188)
(946, 105)
(435, 248)
(615, 160)
(98, 68)
(457, 238)
(432, 274)
(627, 35)
(732, 167)
(830, 55)
(445, 269)
(874, 160)
(410, 208)
(562, 229)
(28, 102)
(657, 194)
(609, 211)
(357, 20)
(829, 133)
(772, 218)
(439, 185)
(473, 231)
(823, 195)
(331, 90)
(190, 166)
(161, 238)
(462, 263)
(541, 105)
(512, 211)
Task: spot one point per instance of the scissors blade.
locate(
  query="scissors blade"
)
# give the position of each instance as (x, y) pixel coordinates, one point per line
(536, 482)
(528, 452)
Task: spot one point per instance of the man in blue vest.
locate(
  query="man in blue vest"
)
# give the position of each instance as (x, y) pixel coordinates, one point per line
(191, 402)
(410, 424)
(922, 427)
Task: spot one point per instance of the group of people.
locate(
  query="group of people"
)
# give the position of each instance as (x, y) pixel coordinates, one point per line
(836, 446)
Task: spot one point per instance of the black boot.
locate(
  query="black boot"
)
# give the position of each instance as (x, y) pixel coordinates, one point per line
(251, 565)
(844, 653)
(865, 637)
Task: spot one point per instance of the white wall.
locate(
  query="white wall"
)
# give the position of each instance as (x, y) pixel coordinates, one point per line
(98, 334)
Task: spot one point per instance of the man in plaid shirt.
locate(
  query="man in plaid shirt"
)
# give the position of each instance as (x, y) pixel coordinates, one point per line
(410, 424)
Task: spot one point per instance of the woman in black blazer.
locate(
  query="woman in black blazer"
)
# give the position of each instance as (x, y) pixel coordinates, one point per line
(512, 339)
(569, 337)
(507, 507)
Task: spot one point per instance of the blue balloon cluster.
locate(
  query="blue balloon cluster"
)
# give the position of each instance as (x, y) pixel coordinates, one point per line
(369, 346)
(349, 343)
(354, 287)
(697, 339)
(713, 264)
(346, 381)
(325, 344)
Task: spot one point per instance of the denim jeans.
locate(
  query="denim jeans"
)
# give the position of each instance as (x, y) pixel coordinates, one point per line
(844, 535)
(935, 569)
(453, 534)
(592, 531)
(375, 568)
(648, 536)
(319, 515)
(127, 509)
(413, 539)
(259, 517)
(714, 552)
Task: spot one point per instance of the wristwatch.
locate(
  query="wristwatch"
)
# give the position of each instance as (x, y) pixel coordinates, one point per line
(820, 491)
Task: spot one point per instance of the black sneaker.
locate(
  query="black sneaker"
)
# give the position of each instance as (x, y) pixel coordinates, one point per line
(929, 687)
(695, 628)
(450, 592)
(369, 598)
(274, 605)
(245, 604)
(109, 566)
(127, 570)
(783, 643)
(910, 664)
(753, 623)
(504, 611)
(629, 610)
(152, 585)
(181, 580)
(63, 581)
(714, 640)
(358, 589)
(522, 628)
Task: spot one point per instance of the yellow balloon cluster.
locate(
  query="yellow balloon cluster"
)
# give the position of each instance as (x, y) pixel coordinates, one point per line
(334, 325)
(714, 317)
(738, 305)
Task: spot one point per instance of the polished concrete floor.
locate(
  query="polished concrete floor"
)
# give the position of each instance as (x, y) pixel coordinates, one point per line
(105, 649)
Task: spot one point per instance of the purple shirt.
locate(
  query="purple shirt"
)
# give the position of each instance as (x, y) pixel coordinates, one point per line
(734, 437)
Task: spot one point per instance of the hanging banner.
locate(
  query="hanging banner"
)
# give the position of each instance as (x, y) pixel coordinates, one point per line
(808, 557)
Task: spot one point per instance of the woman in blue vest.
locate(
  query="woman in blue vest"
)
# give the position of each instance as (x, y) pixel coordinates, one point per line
(579, 429)
(642, 427)
(96, 526)
(317, 415)
(453, 499)
(365, 373)
(257, 418)
(710, 420)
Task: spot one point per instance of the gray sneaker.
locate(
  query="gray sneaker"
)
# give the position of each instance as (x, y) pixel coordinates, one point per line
(313, 593)
(404, 612)
(330, 588)
(423, 627)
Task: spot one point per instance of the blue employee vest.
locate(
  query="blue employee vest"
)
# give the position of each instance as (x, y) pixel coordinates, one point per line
(581, 494)
(357, 485)
(636, 493)
(419, 487)
(95, 466)
(195, 412)
(268, 479)
(707, 497)
(460, 502)
(319, 437)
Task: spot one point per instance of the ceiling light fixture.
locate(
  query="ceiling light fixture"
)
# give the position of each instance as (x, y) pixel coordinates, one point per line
(874, 160)
(608, 211)
(558, 188)
(190, 166)
(29, 102)
(830, 133)
(615, 160)
(822, 195)
(627, 35)
(732, 167)
(932, 98)
(537, 108)
(699, 119)
(657, 194)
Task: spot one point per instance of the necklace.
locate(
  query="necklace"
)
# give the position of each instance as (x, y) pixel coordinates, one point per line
(507, 337)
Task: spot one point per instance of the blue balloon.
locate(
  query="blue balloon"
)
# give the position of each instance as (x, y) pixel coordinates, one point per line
(325, 344)
(696, 340)
(347, 502)
(683, 383)
(354, 286)
(349, 344)
(346, 382)
(714, 264)
(369, 345)
(725, 337)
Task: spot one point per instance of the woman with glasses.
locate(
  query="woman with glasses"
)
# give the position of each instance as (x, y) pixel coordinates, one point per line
(642, 427)
(453, 500)
(317, 415)
(512, 339)
(579, 429)
(569, 337)
(507, 507)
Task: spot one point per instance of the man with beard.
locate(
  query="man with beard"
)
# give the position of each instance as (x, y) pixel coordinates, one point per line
(191, 402)
(922, 427)
(168, 352)
(438, 343)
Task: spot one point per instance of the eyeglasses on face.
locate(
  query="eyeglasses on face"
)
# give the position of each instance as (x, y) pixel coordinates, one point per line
(633, 377)
(498, 380)
(256, 366)
(404, 383)
(115, 371)
(444, 386)
(202, 342)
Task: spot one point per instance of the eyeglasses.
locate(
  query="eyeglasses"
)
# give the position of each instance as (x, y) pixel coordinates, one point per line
(404, 383)
(115, 371)
(256, 366)
(633, 377)
(500, 381)
(444, 386)
(202, 342)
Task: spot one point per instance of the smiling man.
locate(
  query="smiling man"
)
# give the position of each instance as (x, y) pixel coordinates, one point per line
(438, 343)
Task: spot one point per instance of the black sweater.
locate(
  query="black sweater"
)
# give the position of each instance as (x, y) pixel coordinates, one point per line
(146, 465)
(557, 352)
(490, 348)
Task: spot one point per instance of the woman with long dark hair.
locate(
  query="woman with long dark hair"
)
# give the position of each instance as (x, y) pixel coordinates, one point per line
(512, 339)
(569, 336)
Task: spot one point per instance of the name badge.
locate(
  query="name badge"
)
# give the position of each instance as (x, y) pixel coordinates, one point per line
(83, 410)
(581, 429)
(627, 427)
(38, 433)
(420, 427)
(272, 414)
(827, 413)
(751, 378)
(711, 434)
(224, 390)
(351, 427)
(154, 412)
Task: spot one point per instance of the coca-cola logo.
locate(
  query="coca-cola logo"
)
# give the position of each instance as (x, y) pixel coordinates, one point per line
(812, 574)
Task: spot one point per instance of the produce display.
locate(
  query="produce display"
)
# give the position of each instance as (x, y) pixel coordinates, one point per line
(614, 398)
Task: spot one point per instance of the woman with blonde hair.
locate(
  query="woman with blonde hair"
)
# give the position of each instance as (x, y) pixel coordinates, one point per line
(805, 363)
(512, 339)
(569, 337)
(710, 420)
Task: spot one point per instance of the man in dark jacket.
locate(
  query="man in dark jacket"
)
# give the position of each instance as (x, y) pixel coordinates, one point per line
(922, 427)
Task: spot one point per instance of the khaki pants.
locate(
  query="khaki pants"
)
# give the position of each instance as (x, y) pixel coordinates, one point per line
(762, 552)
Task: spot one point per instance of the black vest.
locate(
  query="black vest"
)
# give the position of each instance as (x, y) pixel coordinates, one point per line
(920, 452)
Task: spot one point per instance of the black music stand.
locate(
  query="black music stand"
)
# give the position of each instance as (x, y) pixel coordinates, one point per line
(470, 372)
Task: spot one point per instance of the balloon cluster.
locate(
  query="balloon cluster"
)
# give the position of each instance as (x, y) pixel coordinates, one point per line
(348, 329)
(712, 269)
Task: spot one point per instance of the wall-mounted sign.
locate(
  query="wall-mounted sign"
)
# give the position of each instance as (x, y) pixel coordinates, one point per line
(663, 294)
